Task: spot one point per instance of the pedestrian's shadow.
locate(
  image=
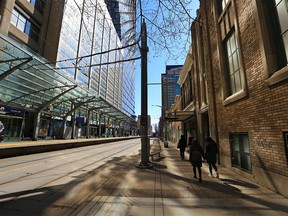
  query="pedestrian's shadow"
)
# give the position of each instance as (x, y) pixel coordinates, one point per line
(226, 190)
(158, 166)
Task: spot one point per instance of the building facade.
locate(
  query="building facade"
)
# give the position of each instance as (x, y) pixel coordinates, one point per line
(169, 86)
(188, 97)
(85, 58)
(123, 14)
(175, 127)
(240, 73)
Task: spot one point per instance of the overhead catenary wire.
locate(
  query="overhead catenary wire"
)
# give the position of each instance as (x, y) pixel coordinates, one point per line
(166, 5)
(99, 53)
(95, 65)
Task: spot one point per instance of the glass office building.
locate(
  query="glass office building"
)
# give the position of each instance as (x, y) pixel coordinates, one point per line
(123, 14)
(87, 41)
(83, 86)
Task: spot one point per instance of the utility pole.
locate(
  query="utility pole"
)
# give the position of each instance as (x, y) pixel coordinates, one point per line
(145, 142)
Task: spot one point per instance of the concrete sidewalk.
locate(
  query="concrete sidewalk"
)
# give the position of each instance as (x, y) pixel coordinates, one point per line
(170, 189)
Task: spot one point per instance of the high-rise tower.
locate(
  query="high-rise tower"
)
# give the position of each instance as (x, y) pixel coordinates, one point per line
(170, 87)
(123, 14)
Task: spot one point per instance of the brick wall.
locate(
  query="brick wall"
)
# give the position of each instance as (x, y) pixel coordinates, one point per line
(263, 112)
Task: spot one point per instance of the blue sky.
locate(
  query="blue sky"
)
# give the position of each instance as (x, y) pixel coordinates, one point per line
(156, 66)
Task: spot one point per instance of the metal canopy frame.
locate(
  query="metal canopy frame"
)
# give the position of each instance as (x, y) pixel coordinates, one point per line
(178, 116)
(30, 82)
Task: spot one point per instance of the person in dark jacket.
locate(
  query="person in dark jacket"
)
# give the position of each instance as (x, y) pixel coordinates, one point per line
(210, 155)
(195, 158)
(1, 129)
(182, 145)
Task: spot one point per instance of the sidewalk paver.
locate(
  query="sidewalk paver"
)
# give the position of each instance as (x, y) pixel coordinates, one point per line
(169, 189)
(119, 188)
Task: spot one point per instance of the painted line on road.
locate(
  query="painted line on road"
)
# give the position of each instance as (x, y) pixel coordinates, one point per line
(38, 164)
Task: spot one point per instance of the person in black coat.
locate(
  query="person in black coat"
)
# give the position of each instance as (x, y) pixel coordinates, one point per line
(195, 157)
(1, 129)
(210, 155)
(182, 145)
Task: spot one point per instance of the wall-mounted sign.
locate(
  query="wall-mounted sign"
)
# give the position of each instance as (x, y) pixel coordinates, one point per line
(264, 143)
(6, 110)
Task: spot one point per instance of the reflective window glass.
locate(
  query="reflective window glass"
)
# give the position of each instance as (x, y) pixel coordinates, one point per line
(286, 144)
(240, 151)
(282, 11)
(38, 4)
(23, 24)
(234, 75)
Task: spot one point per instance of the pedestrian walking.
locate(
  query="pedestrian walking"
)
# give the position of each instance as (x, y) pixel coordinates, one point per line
(210, 154)
(195, 158)
(1, 129)
(182, 145)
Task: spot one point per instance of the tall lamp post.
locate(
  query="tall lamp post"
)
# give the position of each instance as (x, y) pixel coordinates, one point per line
(144, 118)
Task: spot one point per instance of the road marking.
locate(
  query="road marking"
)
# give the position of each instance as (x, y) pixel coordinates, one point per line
(38, 164)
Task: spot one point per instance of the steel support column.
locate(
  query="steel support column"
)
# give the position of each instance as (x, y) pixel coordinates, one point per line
(88, 134)
(36, 126)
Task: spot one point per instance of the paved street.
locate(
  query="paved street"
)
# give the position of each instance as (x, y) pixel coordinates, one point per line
(118, 187)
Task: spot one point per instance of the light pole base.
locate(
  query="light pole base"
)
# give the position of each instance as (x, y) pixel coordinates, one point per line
(145, 166)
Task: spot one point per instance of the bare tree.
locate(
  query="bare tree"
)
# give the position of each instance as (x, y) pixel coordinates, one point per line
(168, 25)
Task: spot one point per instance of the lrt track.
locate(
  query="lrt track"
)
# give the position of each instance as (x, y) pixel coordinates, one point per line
(76, 152)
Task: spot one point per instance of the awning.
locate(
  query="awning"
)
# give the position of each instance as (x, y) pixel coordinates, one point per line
(178, 115)
(29, 82)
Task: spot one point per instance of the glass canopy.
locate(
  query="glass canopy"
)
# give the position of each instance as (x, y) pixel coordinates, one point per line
(29, 82)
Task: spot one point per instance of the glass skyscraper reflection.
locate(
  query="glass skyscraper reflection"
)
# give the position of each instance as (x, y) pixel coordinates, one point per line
(123, 14)
(56, 56)
(88, 35)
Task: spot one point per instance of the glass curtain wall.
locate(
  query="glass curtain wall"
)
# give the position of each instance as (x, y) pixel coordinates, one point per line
(87, 35)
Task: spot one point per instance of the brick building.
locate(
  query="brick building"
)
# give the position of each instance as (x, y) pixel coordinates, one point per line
(240, 74)
(187, 97)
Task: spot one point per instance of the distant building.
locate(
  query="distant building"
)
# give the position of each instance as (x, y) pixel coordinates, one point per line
(170, 87)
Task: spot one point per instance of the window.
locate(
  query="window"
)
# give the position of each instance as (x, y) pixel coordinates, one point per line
(272, 20)
(240, 151)
(202, 67)
(224, 3)
(234, 74)
(281, 7)
(38, 4)
(286, 144)
(23, 24)
(187, 91)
